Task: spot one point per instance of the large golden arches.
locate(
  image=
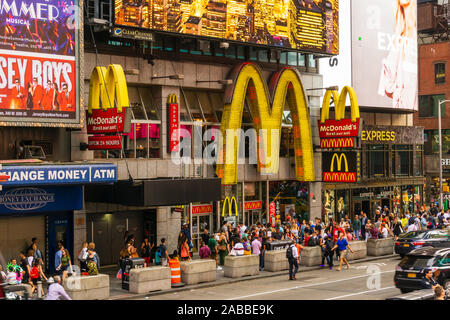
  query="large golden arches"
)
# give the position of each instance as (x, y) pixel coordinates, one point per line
(108, 86)
(339, 101)
(267, 109)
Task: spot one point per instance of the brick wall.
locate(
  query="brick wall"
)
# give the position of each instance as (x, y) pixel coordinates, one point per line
(429, 54)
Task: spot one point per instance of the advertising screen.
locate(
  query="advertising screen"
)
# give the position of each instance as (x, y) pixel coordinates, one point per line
(384, 53)
(310, 25)
(39, 62)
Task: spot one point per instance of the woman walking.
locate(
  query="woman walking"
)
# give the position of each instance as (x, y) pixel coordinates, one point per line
(184, 250)
(37, 274)
(65, 264)
(223, 249)
(398, 228)
(342, 245)
(146, 251)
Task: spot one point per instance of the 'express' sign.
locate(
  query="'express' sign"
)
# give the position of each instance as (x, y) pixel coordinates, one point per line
(378, 135)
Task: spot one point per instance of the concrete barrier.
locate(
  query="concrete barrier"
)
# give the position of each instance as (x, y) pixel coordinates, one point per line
(144, 280)
(311, 256)
(241, 266)
(88, 287)
(380, 247)
(275, 261)
(198, 271)
(359, 248)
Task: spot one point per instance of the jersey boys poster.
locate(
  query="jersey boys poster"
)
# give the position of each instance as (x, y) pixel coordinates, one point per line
(39, 54)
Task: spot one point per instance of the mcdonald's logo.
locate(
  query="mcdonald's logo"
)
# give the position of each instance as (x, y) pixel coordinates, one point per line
(173, 119)
(340, 167)
(267, 107)
(230, 204)
(331, 130)
(108, 86)
(339, 162)
(108, 95)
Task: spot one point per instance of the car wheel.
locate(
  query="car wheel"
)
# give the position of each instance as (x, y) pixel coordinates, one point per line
(405, 291)
(447, 285)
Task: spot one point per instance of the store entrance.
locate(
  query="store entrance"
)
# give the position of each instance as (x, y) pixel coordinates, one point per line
(359, 206)
(252, 217)
(199, 223)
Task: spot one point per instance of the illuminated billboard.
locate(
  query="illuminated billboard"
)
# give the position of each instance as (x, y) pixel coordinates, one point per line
(384, 53)
(310, 25)
(39, 63)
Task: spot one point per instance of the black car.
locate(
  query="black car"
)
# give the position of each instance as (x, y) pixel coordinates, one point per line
(411, 270)
(409, 241)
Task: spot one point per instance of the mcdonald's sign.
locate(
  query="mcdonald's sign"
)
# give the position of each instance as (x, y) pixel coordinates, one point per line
(341, 166)
(230, 203)
(173, 117)
(108, 95)
(267, 107)
(340, 132)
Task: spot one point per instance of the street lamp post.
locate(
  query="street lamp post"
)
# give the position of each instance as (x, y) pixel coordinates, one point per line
(441, 196)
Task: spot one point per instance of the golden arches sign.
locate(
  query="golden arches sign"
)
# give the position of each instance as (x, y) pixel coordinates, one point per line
(340, 101)
(339, 162)
(267, 107)
(230, 206)
(108, 86)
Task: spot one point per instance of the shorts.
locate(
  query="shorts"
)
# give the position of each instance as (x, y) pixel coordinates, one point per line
(343, 254)
(35, 281)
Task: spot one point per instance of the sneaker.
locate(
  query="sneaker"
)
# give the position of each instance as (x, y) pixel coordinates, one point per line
(322, 266)
(331, 268)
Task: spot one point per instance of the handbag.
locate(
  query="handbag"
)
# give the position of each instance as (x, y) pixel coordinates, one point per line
(184, 252)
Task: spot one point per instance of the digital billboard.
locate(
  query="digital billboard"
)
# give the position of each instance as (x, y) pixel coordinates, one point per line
(39, 63)
(310, 25)
(384, 53)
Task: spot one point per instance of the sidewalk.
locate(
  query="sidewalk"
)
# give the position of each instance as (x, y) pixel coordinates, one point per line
(117, 293)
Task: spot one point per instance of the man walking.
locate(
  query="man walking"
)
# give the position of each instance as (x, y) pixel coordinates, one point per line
(357, 226)
(363, 225)
(293, 258)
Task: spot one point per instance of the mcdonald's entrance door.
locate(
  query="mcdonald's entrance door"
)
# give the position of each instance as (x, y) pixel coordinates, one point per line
(199, 223)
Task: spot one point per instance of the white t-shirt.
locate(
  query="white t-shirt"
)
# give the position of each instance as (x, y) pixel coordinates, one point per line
(30, 261)
(384, 232)
(239, 249)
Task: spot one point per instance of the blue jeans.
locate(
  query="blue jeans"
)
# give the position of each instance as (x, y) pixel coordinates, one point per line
(293, 268)
(261, 260)
(357, 234)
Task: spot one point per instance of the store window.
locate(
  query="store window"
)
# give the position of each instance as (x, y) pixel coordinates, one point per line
(433, 140)
(342, 203)
(439, 73)
(402, 160)
(328, 205)
(290, 196)
(429, 104)
(377, 161)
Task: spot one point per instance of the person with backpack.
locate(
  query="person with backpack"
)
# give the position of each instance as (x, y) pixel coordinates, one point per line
(162, 253)
(314, 240)
(92, 267)
(327, 251)
(293, 259)
(37, 274)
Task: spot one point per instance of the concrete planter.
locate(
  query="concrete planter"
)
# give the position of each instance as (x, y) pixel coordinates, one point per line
(359, 250)
(237, 267)
(380, 247)
(311, 256)
(88, 287)
(275, 261)
(144, 280)
(198, 271)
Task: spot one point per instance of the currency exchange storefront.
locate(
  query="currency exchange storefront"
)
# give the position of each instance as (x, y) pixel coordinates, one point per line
(392, 175)
(38, 201)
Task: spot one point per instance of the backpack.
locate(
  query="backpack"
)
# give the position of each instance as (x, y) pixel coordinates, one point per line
(92, 268)
(34, 273)
(374, 233)
(289, 254)
(313, 242)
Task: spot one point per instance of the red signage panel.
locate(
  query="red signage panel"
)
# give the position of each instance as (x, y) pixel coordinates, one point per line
(105, 142)
(206, 208)
(340, 177)
(109, 121)
(339, 129)
(174, 126)
(338, 143)
(253, 205)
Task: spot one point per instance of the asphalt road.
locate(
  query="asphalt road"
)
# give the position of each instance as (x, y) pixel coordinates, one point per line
(363, 281)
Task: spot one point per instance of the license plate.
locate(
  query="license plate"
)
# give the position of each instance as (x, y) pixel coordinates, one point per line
(406, 245)
(412, 275)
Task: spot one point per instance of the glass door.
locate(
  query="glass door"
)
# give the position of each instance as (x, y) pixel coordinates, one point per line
(199, 223)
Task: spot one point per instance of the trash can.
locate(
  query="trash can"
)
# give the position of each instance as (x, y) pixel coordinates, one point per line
(278, 245)
(128, 264)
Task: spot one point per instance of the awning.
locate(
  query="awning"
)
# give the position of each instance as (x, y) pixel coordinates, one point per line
(156, 192)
